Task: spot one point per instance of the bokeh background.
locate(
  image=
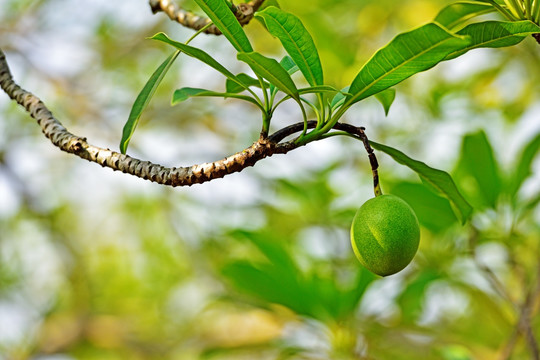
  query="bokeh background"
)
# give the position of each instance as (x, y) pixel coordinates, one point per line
(96, 264)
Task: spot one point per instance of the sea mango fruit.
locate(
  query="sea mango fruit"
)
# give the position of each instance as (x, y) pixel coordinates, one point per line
(385, 234)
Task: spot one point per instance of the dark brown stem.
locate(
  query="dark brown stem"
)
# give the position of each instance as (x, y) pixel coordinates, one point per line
(537, 37)
(358, 132)
(243, 12)
(175, 176)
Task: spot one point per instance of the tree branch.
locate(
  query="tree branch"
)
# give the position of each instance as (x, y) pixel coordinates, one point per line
(243, 12)
(175, 176)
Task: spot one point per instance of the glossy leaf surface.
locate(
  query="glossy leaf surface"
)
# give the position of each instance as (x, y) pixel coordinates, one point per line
(143, 99)
(407, 54)
(495, 34)
(221, 15)
(456, 14)
(200, 55)
(297, 42)
(272, 71)
(386, 98)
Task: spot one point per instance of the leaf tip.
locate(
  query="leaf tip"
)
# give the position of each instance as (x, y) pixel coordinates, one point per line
(159, 36)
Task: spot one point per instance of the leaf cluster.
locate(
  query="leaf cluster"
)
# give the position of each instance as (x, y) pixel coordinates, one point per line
(450, 35)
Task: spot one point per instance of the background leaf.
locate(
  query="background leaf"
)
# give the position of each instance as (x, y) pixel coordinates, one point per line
(439, 179)
(478, 168)
(523, 169)
(433, 211)
(297, 42)
(143, 99)
(221, 15)
(412, 300)
(268, 282)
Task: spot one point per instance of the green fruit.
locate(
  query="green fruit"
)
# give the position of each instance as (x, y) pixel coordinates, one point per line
(385, 234)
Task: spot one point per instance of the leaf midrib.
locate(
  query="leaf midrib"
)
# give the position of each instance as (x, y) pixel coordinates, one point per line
(298, 49)
(467, 48)
(226, 29)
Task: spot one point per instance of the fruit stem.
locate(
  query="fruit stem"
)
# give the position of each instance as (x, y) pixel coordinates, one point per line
(372, 160)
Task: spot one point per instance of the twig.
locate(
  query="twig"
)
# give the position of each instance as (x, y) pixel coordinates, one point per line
(528, 315)
(373, 162)
(524, 327)
(175, 176)
(357, 132)
(525, 314)
(243, 12)
(489, 274)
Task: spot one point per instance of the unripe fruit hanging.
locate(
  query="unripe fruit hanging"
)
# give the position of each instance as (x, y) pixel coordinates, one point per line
(385, 234)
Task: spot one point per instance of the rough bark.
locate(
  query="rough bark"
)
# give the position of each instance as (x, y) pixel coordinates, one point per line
(173, 176)
(243, 12)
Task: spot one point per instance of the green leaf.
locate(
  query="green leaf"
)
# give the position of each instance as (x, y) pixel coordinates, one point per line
(412, 300)
(523, 169)
(478, 169)
(386, 98)
(407, 54)
(274, 283)
(200, 55)
(317, 89)
(288, 64)
(272, 71)
(339, 98)
(495, 34)
(275, 251)
(143, 99)
(267, 282)
(438, 179)
(234, 87)
(351, 297)
(185, 93)
(456, 14)
(221, 15)
(297, 42)
(531, 204)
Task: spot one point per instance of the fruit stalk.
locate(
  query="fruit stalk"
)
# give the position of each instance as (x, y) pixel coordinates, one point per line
(372, 160)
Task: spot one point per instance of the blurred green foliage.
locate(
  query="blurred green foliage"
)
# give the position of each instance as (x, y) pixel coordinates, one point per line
(96, 265)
